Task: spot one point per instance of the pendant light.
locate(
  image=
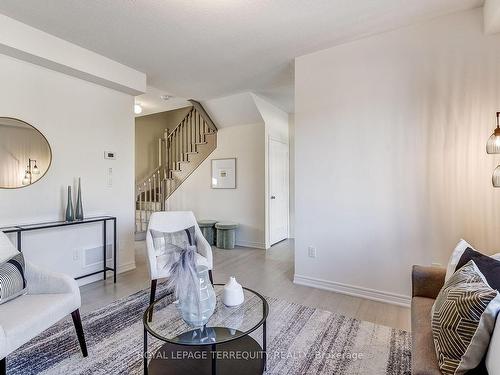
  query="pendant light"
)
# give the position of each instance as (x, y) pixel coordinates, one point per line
(493, 144)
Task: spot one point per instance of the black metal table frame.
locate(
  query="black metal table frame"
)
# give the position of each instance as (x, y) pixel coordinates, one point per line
(19, 229)
(262, 323)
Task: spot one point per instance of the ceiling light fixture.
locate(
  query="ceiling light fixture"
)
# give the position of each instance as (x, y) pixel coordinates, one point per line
(137, 108)
(165, 97)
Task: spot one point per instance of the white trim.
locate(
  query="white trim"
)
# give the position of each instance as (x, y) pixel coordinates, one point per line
(274, 138)
(98, 277)
(126, 267)
(352, 290)
(255, 245)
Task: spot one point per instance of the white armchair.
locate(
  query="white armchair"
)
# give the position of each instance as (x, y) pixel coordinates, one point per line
(172, 221)
(50, 297)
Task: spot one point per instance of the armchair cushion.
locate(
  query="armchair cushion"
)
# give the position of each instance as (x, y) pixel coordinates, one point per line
(27, 316)
(12, 280)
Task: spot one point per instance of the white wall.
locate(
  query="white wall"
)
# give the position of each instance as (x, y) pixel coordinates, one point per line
(391, 168)
(245, 204)
(276, 127)
(80, 120)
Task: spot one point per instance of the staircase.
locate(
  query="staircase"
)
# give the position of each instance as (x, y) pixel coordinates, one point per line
(180, 152)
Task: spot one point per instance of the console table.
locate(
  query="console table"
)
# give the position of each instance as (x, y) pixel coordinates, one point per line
(19, 229)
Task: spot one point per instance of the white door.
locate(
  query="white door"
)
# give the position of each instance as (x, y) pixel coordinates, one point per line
(278, 191)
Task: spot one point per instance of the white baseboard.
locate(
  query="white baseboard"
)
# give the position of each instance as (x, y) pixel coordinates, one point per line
(255, 245)
(351, 290)
(121, 268)
(126, 267)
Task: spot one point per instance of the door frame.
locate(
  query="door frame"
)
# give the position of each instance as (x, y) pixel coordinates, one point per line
(268, 190)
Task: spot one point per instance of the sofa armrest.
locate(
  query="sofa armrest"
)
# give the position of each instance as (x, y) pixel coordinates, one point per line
(427, 281)
(41, 281)
(3, 344)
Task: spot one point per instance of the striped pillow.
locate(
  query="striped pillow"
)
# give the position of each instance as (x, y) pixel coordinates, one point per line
(12, 280)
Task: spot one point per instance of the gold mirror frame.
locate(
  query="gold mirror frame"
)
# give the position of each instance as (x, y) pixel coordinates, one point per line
(42, 175)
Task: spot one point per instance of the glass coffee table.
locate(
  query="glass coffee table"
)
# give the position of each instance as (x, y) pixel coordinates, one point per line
(223, 346)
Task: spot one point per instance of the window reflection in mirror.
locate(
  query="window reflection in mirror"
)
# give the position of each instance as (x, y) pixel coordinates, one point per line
(25, 154)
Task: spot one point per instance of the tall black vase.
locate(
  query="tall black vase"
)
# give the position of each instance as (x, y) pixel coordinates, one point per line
(79, 206)
(70, 213)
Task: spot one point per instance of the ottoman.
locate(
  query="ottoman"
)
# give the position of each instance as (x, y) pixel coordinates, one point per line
(226, 234)
(207, 228)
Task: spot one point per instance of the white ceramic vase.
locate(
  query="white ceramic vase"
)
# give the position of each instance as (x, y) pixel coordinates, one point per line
(233, 293)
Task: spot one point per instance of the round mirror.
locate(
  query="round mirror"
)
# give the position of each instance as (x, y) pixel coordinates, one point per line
(25, 154)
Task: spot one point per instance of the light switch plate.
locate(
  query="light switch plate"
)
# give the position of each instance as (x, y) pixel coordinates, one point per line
(111, 155)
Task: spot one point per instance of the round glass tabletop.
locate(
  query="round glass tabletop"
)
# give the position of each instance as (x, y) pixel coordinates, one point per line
(226, 324)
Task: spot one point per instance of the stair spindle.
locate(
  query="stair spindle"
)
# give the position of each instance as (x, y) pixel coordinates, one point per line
(197, 128)
(180, 148)
(190, 131)
(179, 143)
(154, 190)
(184, 140)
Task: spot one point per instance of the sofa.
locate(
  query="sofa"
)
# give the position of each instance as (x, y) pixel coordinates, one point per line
(426, 285)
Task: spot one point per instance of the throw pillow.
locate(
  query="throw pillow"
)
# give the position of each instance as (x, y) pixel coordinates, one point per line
(457, 254)
(168, 245)
(12, 280)
(463, 318)
(488, 266)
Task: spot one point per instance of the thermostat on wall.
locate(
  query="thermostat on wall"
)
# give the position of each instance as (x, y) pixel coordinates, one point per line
(109, 155)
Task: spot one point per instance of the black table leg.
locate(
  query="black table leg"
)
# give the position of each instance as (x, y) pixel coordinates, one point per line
(145, 352)
(19, 240)
(104, 225)
(114, 250)
(214, 359)
(264, 344)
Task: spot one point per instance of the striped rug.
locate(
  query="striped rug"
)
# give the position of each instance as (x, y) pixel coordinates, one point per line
(301, 340)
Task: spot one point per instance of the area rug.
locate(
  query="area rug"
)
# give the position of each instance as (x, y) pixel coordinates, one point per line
(301, 340)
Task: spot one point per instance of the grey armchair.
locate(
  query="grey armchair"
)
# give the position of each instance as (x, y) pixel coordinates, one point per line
(51, 295)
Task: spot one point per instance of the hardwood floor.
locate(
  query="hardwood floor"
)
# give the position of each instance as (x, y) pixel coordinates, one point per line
(270, 273)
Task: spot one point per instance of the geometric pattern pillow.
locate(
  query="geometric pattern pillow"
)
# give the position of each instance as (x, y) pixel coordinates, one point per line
(168, 245)
(12, 280)
(463, 318)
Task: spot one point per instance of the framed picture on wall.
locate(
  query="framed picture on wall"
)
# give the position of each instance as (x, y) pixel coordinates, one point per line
(224, 173)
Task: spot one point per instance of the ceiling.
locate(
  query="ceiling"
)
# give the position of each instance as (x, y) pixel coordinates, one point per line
(205, 49)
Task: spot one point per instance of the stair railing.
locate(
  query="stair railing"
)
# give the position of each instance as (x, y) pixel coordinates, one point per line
(173, 150)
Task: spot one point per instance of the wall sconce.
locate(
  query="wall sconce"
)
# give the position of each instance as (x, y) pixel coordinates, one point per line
(30, 171)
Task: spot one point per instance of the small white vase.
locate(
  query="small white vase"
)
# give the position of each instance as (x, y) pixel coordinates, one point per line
(233, 293)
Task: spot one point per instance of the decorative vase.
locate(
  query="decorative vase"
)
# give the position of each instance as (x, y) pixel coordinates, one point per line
(232, 294)
(79, 206)
(198, 305)
(70, 213)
